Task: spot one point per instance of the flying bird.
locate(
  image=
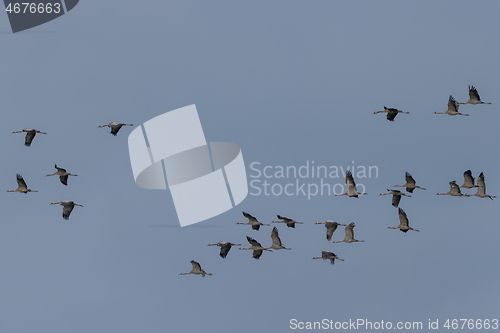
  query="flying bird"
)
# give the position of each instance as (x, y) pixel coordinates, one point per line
(396, 196)
(252, 221)
(63, 175)
(481, 189)
(224, 248)
(115, 127)
(22, 187)
(454, 190)
(30, 135)
(328, 255)
(404, 224)
(349, 235)
(289, 222)
(474, 97)
(351, 186)
(196, 269)
(67, 207)
(331, 226)
(410, 183)
(468, 180)
(256, 247)
(277, 245)
(452, 108)
(391, 113)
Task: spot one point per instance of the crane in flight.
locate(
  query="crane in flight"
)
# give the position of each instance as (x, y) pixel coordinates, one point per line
(289, 222)
(277, 245)
(351, 186)
(468, 180)
(326, 255)
(21, 186)
(474, 98)
(67, 207)
(410, 183)
(115, 127)
(252, 221)
(349, 235)
(391, 113)
(481, 189)
(404, 224)
(256, 247)
(452, 108)
(196, 269)
(224, 248)
(63, 175)
(396, 196)
(331, 226)
(454, 190)
(30, 135)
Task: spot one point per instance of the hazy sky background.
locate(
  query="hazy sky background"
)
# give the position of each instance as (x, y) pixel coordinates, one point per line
(289, 82)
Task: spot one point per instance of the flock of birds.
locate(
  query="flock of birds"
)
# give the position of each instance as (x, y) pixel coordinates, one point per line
(331, 226)
(68, 205)
(452, 110)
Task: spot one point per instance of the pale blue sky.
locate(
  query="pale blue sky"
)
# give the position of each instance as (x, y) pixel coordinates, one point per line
(289, 82)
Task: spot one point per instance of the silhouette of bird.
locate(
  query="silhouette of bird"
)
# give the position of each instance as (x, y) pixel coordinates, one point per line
(256, 247)
(252, 221)
(277, 245)
(454, 190)
(410, 183)
(404, 224)
(224, 248)
(22, 187)
(396, 196)
(481, 189)
(351, 186)
(468, 180)
(391, 113)
(30, 135)
(328, 255)
(63, 175)
(349, 235)
(115, 127)
(474, 97)
(67, 207)
(196, 269)
(289, 222)
(331, 226)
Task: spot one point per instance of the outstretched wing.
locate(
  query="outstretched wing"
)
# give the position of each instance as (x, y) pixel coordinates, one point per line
(224, 250)
(286, 219)
(253, 241)
(349, 231)
(349, 180)
(276, 239)
(473, 94)
(403, 219)
(468, 179)
(20, 181)
(396, 198)
(452, 104)
(67, 210)
(250, 217)
(29, 138)
(409, 179)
